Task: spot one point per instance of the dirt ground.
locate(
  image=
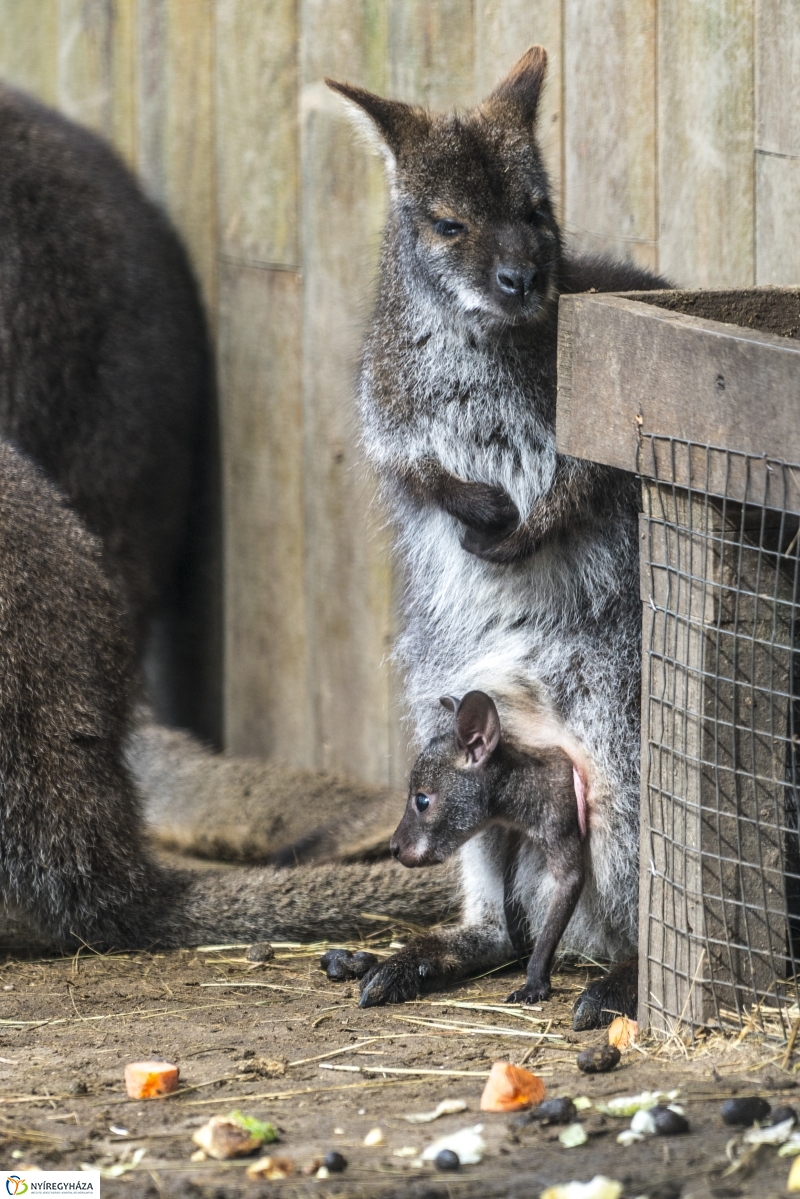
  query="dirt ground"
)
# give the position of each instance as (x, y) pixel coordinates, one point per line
(258, 1038)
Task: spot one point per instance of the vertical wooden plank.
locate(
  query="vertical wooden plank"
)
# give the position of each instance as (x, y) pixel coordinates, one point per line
(123, 56)
(777, 224)
(260, 353)
(29, 46)
(151, 96)
(348, 575)
(705, 142)
(609, 127)
(503, 31)
(778, 77)
(432, 52)
(777, 141)
(190, 181)
(260, 382)
(257, 127)
(85, 87)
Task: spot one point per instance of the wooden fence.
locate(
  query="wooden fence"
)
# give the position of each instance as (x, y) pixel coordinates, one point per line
(672, 130)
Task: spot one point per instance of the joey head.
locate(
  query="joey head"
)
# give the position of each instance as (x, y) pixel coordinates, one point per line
(510, 812)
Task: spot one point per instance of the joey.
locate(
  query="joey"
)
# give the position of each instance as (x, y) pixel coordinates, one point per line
(475, 786)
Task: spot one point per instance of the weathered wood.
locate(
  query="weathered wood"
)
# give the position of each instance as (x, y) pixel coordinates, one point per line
(717, 640)
(432, 52)
(705, 142)
(257, 136)
(777, 141)
(260, 320)
(777, 226)
(190, 136)
(610, 127)
(86, 63)
(628, 368)
(151, 96)
(348, 575)
(29, 47)
(778, 77)
(503, 31)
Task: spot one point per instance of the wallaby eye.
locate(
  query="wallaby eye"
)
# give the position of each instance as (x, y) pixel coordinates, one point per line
(535, 216)
(422, 801)
(448, 228)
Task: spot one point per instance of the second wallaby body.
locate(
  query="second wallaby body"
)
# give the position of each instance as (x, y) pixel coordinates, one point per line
(512, 815)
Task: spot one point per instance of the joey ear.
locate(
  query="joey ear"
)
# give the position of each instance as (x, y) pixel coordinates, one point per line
(522, 86)
(450, 702)
(389, 124)
(477, 727)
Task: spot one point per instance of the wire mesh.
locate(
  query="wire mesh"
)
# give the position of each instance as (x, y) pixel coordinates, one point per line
(720, 881)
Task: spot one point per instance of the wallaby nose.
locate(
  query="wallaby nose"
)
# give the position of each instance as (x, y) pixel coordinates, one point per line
(516, 281)
(394, 849)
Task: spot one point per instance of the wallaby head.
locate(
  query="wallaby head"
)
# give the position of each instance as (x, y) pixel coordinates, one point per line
(452, 784)
(471, 209)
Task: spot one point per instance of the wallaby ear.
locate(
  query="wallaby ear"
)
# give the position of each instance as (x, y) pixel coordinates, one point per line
(450, 702)
(477, 727)
(389, 124)
(522, 86)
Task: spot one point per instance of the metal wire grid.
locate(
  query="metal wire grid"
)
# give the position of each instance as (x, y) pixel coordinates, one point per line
(720, 893)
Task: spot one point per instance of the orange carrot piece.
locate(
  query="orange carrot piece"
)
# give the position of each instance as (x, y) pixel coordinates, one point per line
(622, 1032)
(510, 1087)
(149, 1080)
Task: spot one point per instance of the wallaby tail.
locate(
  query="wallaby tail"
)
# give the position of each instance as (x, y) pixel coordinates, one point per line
(334, 902)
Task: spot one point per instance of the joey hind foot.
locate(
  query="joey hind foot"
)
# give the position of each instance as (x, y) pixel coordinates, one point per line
(615, 994)
(531, 993)
(340, 965)
(396, 981)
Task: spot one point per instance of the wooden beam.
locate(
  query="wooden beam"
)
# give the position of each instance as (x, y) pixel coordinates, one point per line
(628, 369)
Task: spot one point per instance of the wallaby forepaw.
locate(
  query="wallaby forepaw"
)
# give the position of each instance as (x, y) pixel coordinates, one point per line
(394, 982)
(341, 965)
(530, 993)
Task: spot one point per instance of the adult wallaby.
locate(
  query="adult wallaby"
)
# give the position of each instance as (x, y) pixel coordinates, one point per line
(522, 564)
(513, 815)
(106, 382)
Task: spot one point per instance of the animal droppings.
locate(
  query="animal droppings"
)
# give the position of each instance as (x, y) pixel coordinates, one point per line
(667, 1121)
(555, 1111)
(260, 951)
(509, 1087)
(744, 1111)
(334, 1163)
(150, 1080)
(447, 1160)
(598, 1060)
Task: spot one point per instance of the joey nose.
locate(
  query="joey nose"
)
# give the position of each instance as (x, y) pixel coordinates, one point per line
(394, 849)
(516, 281)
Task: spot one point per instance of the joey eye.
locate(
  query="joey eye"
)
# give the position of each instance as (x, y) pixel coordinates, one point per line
(422, 801)
(448, 228)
